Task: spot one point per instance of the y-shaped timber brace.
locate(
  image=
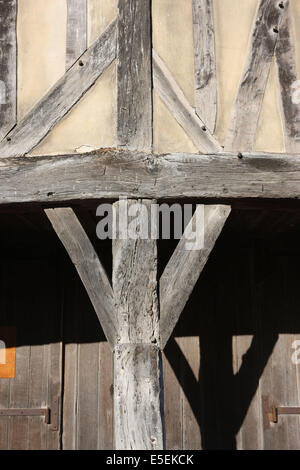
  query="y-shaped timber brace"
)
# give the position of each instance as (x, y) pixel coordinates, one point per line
(129, 312)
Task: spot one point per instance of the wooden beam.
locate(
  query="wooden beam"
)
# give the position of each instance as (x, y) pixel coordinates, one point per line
(113, 173)
(285, 55)
(245, 113)
(88, 266)
(173, 97)
(134, 82)
(185, 266)
(62, 97)
(8, 61)
(137, 356)
(205, 62)
(76, 30)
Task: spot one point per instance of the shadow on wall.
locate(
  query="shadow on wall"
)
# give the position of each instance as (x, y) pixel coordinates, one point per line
(250, 290)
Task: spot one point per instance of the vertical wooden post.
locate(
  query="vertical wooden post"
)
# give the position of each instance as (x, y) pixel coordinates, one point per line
(138, 418)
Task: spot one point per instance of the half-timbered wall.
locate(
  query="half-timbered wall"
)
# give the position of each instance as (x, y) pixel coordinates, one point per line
(51, 37)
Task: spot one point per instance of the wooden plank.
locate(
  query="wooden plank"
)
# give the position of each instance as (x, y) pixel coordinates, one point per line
(172, 405)
(185, 266)
(137, 357)
(62, 96)
(285, 55)
(105, 430)
(76, 30)
(88, 266)
(205, 63)
(8, 62)
(134, 82)
(173, 97)
(96, 176)
(245, 113)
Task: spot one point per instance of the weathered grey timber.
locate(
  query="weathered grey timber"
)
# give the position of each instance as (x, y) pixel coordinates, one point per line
(285, 55)
(8, 66)
(205, 62)
(173, 97)
(113, 173)
(245, 114)
(137, 357)
(76, 30)
(184, 268)
(60, 99)
(134, 82)
(88, 266)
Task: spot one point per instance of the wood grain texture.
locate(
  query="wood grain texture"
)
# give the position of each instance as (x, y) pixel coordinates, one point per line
(184, 268)
(173, 97)
(179, 176)
(134, 82)
(62, 97)
(205, 62)
(76, 30)
(137, 357)
(285, 55)
(88, 266)
(246, 109)
(8, 66)
(137, 397)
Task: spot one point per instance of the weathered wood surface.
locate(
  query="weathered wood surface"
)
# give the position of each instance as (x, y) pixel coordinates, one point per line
(76, 30)
(173, 97)
(137, 357)
(185, 266)
(134, 81)
(98, 176)
(8, 66)
(245, 114)
(38, 366)
(88, 265)
(205, 62)
(137, 397)
(62, 97)
(87, 411)
(285, 54)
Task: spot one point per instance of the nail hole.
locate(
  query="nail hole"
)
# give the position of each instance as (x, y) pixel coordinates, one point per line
(281, 5)
(275, 30)
(8, 139)
(81, 64)
(204, 128)
(240, 155)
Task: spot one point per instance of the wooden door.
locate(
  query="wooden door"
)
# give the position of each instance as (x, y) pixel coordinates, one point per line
(29, 306)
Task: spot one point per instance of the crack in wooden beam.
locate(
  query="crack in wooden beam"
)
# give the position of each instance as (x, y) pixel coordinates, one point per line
(185, 266)
(62, 96)
(87, 263)
(173, 97)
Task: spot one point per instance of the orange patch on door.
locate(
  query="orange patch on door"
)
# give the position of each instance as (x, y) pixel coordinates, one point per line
(7, 352)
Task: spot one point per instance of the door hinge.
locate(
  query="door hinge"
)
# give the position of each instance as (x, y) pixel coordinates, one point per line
(271, 411)
(51, 415)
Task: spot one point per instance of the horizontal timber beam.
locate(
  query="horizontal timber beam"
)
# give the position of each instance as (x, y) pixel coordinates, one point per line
(110, 173)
